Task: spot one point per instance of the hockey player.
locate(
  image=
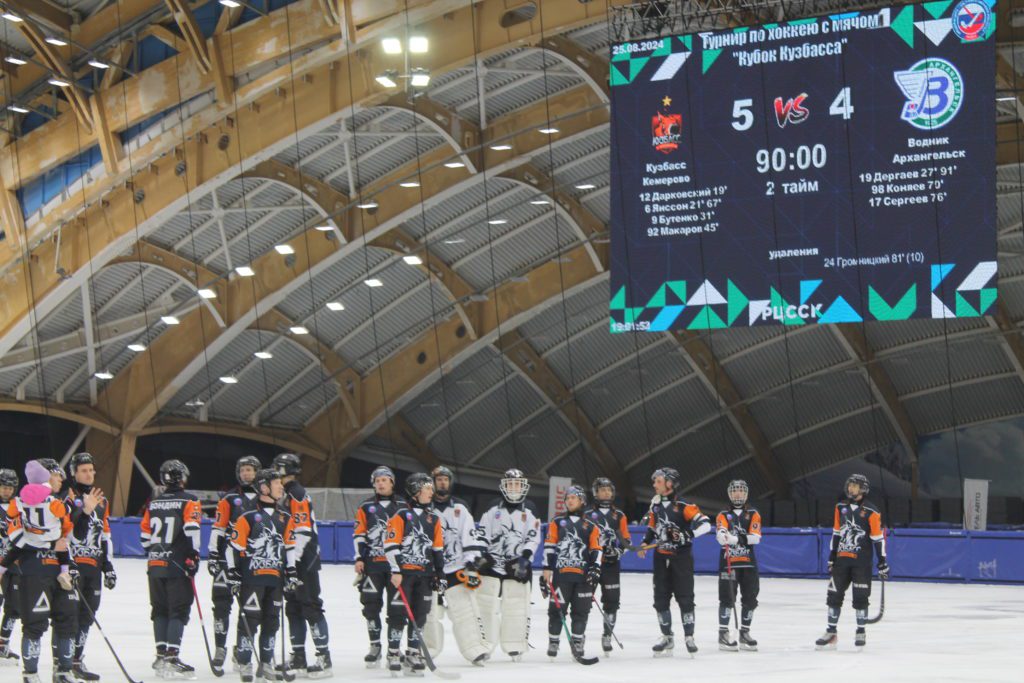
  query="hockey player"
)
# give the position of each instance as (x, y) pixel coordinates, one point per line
(738, 531)
(91, 550)
(615, 539)
(170, 536)
(672, 525)
(856, 532)
(462, 547)
(38, 527)
(8, 581)
(260, 558)
(304, 604)
(572, 569)
(415, 552)
(371, 563)
(230, 507)
(511, 532)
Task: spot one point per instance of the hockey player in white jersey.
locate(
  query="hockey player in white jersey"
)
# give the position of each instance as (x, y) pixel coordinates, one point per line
(512, 534)
(462, 547)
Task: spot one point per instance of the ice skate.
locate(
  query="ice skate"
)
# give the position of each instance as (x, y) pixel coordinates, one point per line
(664, 647)
(321, 667)
(828, 641)
(245, 672)
(81, 673)
(267, 674)
(414, 663)
(860, 639)
(217, 663)
(176, 669)
(606, 644)
(373, 657)
(552, 648)
(691, 645)
(394, 662)
(725, 641)
(63, 676)
(747, 643)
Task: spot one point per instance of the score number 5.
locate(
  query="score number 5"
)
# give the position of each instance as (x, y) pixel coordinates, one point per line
(743, 117)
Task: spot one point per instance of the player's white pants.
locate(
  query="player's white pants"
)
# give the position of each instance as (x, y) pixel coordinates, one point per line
(506, 619)
(467, 625)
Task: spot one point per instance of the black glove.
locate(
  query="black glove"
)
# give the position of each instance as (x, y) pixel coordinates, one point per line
(593, 576)
(545, 589)
(109, 577)
(521, 570)
(883, 569)
(234, 579)
(292, 582)
(439, 584)
(612, 551)
(191, 563)
(76, 577)
(215, 563)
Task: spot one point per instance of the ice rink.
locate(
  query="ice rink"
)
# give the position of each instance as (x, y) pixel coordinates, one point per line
(931, 632)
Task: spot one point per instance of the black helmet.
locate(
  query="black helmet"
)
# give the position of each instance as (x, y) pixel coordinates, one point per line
(51, 465)
(602, 482)
(510, 478)
(264, 476)
(415, 483)
(382, 471)
(174, 473)
(9, 478)
(287, 464)
(860, 480)
(738, 492)
(670, 474)
(577, 491)
(442, 471)
(250, 460)
(80, 459)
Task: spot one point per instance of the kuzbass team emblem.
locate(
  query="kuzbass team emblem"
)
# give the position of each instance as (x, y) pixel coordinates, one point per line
(934, 90)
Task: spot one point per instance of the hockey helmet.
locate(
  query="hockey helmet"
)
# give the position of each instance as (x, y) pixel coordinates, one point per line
(738, 492)
(514, 486)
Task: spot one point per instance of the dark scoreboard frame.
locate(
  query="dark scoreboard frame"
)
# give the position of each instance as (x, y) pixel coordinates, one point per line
(824, 170)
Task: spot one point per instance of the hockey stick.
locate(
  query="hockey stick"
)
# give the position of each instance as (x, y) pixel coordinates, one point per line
(609, 624)
(447, 675)
(105, 639)
(585, 661)
(732, 585)
(217, 671)
(881, 606)
(288, 676)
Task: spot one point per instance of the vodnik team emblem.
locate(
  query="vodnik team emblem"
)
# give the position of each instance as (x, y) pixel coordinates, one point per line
(971, 19)
(934, 90)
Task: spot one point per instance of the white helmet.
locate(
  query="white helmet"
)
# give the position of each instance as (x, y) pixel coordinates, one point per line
(514, 486)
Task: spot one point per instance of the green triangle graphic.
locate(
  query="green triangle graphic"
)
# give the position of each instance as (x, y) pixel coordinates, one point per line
(964, 309)
(778, 302)
(616, 76)
(631, 314)
(770, 26)
(738, 301)
(658, 300)
(709, 57)
(987, 295)
(797, 22)
(687, 41)
(706, 319)
(904, 308)
(665, 49)
(741, 29)
(678, 288)
(903, 25)
(937, 9)
(635, 66)
(618, 302)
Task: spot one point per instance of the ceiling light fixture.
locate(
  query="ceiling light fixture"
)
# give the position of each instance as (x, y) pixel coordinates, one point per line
(454, 240)
(387, 79)
(58, 82)
(228, 379)
(18, 109)
(419, 78)
(548, 131)
(373, 282)
(54, 40)
(454, 164)
(585, 186)
(392, 46)
(206, 293)
(539, 202)
(324, 228)
(497, 221)
(97, 64)
(245, 271)
(233, 4)
(284, 249)
(368, 205)
(104, 374)
(17, 61)
(418, 44)
(264, 355)
(413, 260)
(9, 16)
(137, 348)
(335, 306)
(1006, 99)
(409, 183)
(298, 329)
(501, 148)
(169, 320)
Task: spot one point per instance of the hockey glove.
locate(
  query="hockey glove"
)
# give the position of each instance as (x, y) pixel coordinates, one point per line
(292, 582)
(234, 579)
(612, 551)
(593, 576)
(214, 563)
(191, 563)
(109, 578)
(439, 585)
(521, 571)
(883, 569)
(469, 577)
(545, 589)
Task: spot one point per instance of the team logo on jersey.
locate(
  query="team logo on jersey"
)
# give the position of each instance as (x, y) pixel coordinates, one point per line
(666, 129)
(593, 515)
(934, 90)
(237, 501)
(970, 19)
(373, 508)
(42, 604)
(561, 523)
(791, 111)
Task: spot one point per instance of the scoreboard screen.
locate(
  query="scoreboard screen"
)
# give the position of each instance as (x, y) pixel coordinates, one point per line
(824, 170)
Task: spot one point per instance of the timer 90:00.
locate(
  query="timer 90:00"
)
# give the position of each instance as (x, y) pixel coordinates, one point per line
(803, 158)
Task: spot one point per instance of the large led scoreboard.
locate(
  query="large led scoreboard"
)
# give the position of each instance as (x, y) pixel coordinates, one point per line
(823, 170)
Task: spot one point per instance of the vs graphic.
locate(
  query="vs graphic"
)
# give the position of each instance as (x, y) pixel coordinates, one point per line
(792, 111)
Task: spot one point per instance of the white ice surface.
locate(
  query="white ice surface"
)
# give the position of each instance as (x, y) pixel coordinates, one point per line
(931, 632)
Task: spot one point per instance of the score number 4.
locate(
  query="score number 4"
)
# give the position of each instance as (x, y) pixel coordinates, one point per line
(743, 116)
